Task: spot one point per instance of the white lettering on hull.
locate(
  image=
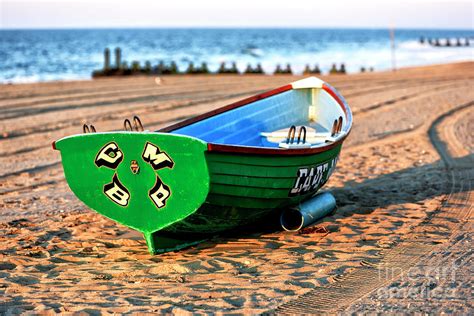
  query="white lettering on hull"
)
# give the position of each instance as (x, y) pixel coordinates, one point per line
(309, 179)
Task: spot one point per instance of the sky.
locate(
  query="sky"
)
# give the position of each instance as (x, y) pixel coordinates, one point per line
(441, 14)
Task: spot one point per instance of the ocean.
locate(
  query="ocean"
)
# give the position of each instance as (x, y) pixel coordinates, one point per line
(45, 55)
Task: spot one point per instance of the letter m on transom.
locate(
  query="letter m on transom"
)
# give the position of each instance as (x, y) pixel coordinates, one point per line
(156, 158)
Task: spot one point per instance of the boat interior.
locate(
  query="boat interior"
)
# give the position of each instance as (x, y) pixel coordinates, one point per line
(297, 118)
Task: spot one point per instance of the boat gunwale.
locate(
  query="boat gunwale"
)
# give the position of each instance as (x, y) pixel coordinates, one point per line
(239, 149)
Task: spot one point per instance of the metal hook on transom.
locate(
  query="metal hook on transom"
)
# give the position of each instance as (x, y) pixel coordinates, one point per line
(127, 125)
(291, 135)
(86, 129)
(138, 124)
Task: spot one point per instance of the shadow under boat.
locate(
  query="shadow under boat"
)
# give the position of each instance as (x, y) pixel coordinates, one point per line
(410, 185)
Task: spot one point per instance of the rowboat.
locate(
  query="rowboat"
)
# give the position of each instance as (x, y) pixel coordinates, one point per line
(218, 171)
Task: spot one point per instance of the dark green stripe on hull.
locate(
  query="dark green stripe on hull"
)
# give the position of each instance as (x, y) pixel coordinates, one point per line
(235, 199)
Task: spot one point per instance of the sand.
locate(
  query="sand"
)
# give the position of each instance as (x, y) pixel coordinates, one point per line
(403, 223)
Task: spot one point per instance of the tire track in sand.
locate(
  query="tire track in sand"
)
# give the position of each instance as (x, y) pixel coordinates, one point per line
(137, 109)
(404, 255)
(441, 281)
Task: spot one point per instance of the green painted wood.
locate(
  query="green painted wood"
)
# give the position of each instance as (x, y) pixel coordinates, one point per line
(239, 202)
(254, 166)
(248, 177)
(247, 191)
(209, 192)
(187, 179)
(227, 218)
(245, 181)
(263, 160)
(224, 168)
(158, 242)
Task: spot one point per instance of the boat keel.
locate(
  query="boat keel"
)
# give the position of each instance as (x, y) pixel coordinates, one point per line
(158, 243)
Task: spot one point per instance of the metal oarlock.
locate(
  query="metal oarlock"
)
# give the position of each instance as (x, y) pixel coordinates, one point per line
(127, 125)
(137, 125)
(339, 124)
(334, 128)
(86, 129)
(302, 129)
(290, 138)
(291, 135)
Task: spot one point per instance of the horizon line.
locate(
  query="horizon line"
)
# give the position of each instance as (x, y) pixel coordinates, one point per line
(230, 27)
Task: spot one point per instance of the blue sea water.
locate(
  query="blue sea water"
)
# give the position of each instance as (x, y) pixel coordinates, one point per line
(44, 55)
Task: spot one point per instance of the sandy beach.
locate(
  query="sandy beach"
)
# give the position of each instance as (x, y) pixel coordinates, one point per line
(399, 241)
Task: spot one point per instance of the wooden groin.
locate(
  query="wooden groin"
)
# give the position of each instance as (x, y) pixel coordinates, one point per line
(445, 42)
(123, 68)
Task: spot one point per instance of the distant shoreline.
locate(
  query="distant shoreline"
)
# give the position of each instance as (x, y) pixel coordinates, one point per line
(276, 27)
(243, 76)
(64, 54)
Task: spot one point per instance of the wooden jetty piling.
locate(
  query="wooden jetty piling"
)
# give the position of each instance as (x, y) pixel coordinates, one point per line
(249, 69)
(174, 68)
(446, 42)
(204, 68)
(342, 69)
(234, 69)
(106, 60)
(306, 70)
(278, 70)
(135, 67)
(190, 69)
(193, 70)
(316, 70)
(224, 70)
(118, 58)
(121, 68)
(147, 69)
